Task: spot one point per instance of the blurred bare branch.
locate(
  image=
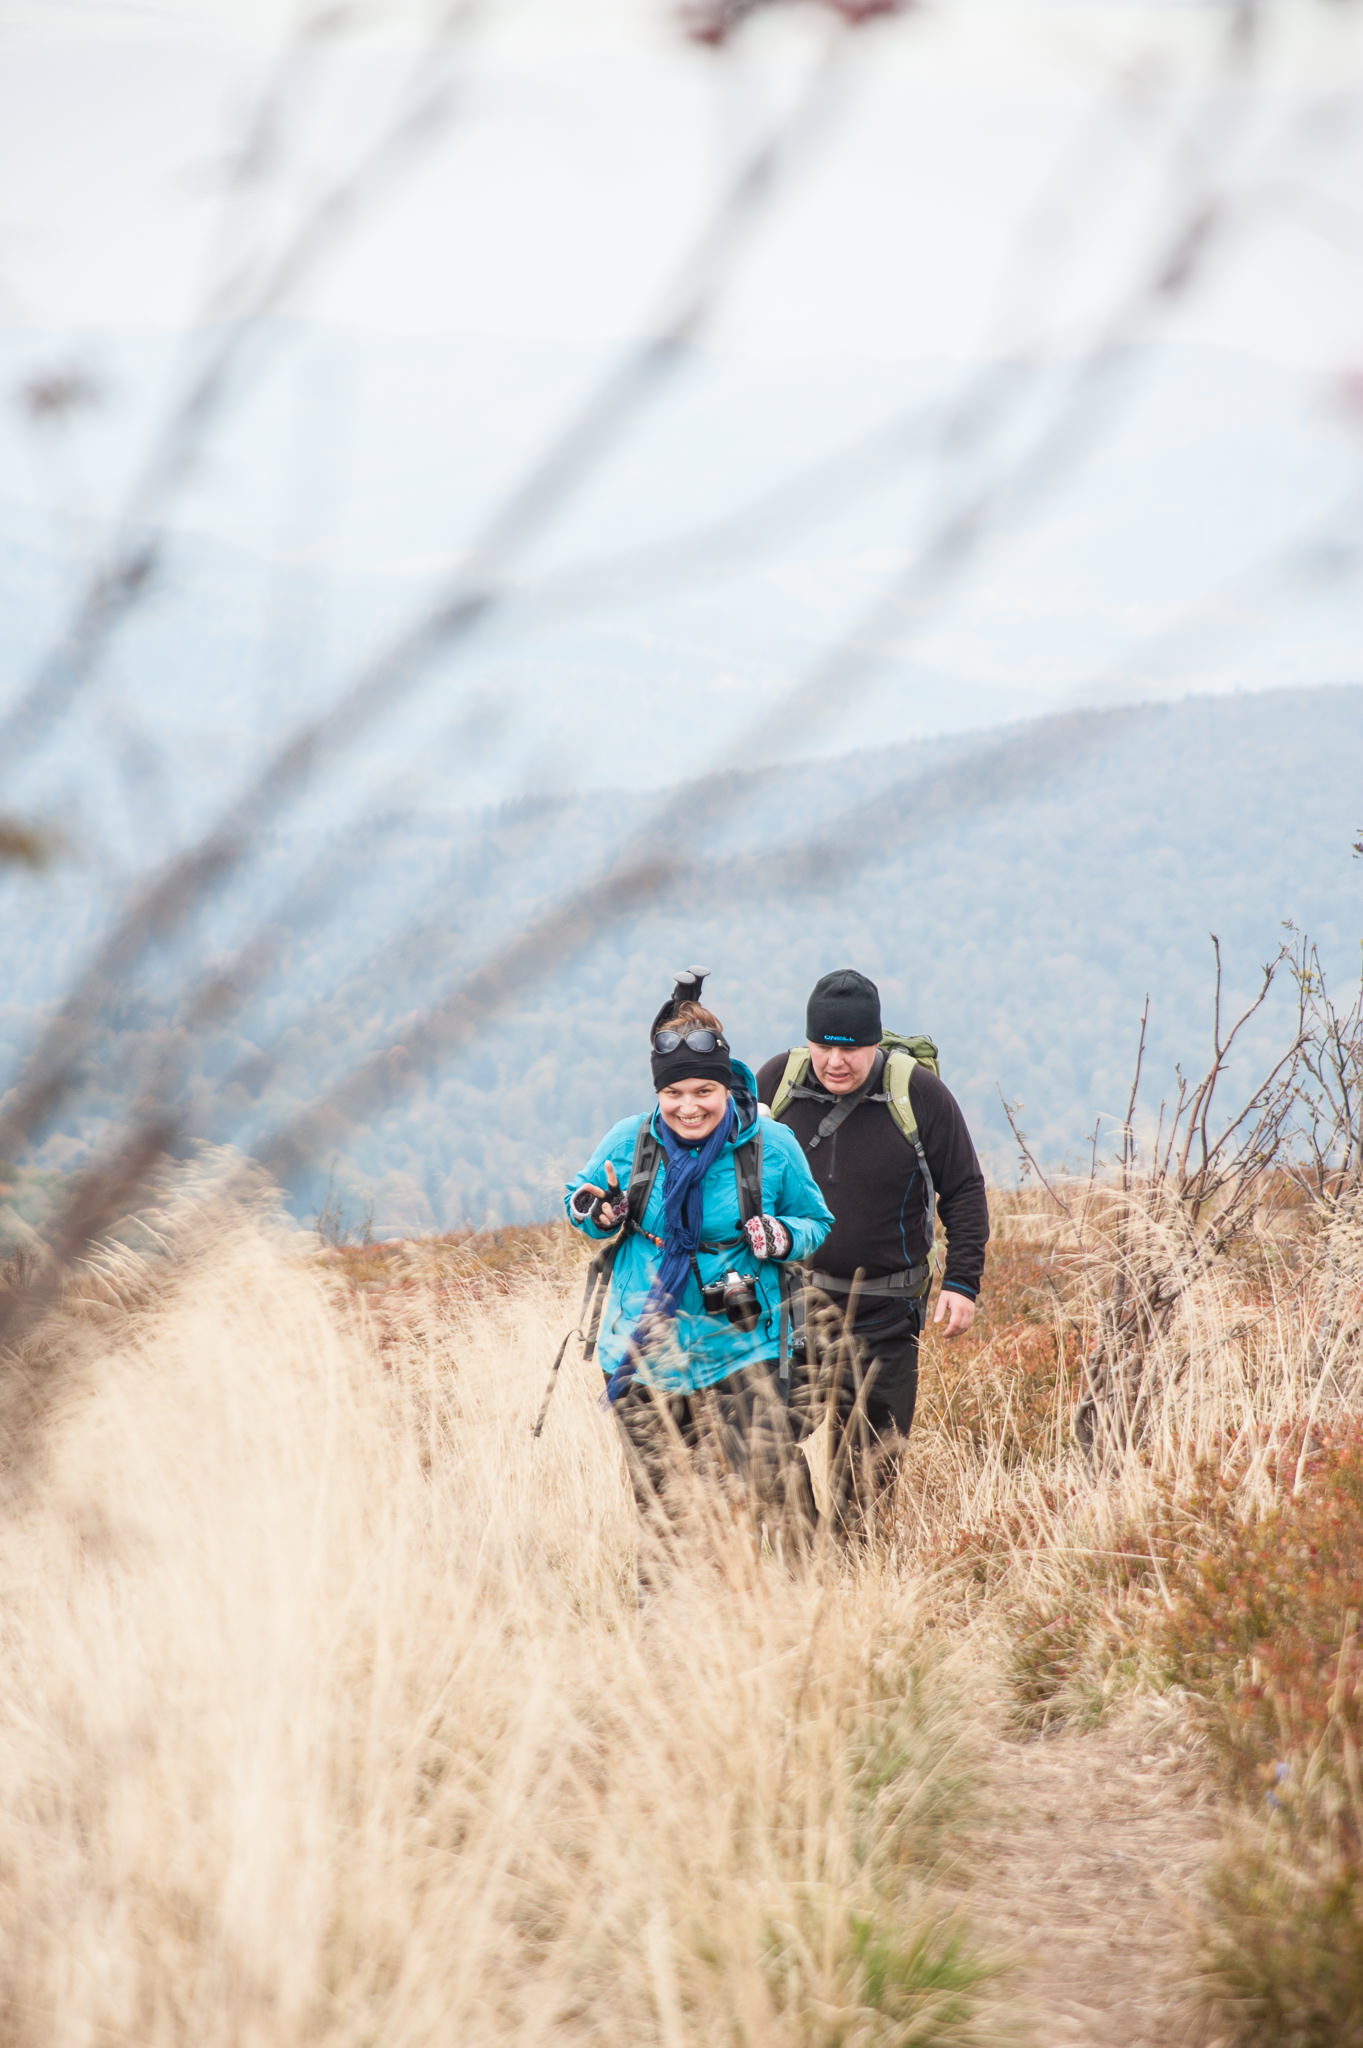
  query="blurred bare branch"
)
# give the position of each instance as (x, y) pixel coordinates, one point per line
(31, 846)
(56, 396)
(993, 469)
(182, 887)
(715, 22)
(238, 310)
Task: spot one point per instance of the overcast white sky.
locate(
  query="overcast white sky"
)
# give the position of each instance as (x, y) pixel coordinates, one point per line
(993, 181)
(591, 139)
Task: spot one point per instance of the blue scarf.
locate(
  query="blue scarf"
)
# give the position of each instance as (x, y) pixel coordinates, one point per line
(684, 1212)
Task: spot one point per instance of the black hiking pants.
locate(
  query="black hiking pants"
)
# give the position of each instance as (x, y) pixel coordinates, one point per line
(868, 1376)
(729, 1448)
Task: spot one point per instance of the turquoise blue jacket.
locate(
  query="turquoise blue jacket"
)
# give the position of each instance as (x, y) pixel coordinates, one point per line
(708, 1347)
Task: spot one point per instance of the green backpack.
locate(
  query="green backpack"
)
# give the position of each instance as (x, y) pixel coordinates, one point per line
(902, 1055)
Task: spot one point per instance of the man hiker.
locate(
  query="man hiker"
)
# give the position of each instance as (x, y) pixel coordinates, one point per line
(887, 1144)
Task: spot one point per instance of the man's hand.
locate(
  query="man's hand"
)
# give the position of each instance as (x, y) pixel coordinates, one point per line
(957, 1311)
(606, 1206)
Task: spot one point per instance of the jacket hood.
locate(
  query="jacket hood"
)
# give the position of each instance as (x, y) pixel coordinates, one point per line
(744, 1092)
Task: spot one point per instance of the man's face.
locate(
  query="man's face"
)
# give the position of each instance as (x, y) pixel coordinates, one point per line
(841, 1069)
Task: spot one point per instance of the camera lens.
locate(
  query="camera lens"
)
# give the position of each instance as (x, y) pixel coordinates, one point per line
(742, 1304)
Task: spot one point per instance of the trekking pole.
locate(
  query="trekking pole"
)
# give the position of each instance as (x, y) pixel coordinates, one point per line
(588, 1326)
(553, 1378)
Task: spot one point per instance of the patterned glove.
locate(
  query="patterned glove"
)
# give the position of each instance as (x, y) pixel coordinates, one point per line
(769, 1238)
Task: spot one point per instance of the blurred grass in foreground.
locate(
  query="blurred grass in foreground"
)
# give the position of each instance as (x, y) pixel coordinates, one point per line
(327, 1712)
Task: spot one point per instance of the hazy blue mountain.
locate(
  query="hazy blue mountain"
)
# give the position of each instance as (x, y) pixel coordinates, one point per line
(1195, 529)
(1015, 893)
(1016, 871)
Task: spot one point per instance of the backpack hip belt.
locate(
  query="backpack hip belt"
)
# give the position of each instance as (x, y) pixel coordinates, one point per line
(914, 1281)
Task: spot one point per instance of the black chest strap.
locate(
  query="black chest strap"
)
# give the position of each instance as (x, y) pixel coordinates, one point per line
(840, 1107)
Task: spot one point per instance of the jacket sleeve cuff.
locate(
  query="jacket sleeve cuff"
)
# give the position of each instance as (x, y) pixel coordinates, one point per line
(960, 1287)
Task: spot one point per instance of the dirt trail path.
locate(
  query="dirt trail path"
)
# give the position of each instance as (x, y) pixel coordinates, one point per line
(1088, 1867)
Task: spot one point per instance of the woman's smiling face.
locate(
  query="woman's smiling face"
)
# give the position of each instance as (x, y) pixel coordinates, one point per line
(692, 1108)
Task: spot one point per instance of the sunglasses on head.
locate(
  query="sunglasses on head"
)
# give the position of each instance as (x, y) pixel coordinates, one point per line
(700, 1038)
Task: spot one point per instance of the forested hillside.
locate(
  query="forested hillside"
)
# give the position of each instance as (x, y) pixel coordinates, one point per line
(1016, 894)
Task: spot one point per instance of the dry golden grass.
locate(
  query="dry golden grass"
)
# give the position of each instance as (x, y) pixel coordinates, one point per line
(327, 1713)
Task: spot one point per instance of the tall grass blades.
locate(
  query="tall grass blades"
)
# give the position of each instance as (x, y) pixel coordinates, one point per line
(328, 1713)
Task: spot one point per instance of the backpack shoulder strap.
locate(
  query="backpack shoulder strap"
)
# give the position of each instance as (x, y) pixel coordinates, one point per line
(797, 1066)
(648, 1157)
(899, 1065)
(748, 1175)
(748, 1159)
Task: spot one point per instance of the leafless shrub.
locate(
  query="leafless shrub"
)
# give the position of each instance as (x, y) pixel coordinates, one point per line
(1162, 1221)
(1329, 1161)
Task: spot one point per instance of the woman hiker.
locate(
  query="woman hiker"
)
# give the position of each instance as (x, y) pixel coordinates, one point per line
(693, 1333)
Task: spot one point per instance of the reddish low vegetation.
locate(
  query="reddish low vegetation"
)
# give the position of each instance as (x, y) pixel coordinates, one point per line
(1220, 1561)
(1263, 1627)
(391, 1282)
(1264, 1618)
(1007, 1373)
(491, 1256)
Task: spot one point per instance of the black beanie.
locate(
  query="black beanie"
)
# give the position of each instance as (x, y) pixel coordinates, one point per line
(843, 1009)
(685, 1065)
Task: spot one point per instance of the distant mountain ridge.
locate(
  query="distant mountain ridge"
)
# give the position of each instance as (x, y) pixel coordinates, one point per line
(1015, 893)
(1184, 545)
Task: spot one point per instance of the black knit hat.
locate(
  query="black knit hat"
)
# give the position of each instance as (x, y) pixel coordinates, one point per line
(684, 1063)
(843, 1009)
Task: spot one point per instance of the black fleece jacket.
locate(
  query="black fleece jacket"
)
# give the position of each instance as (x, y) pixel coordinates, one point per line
(868, 1174)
